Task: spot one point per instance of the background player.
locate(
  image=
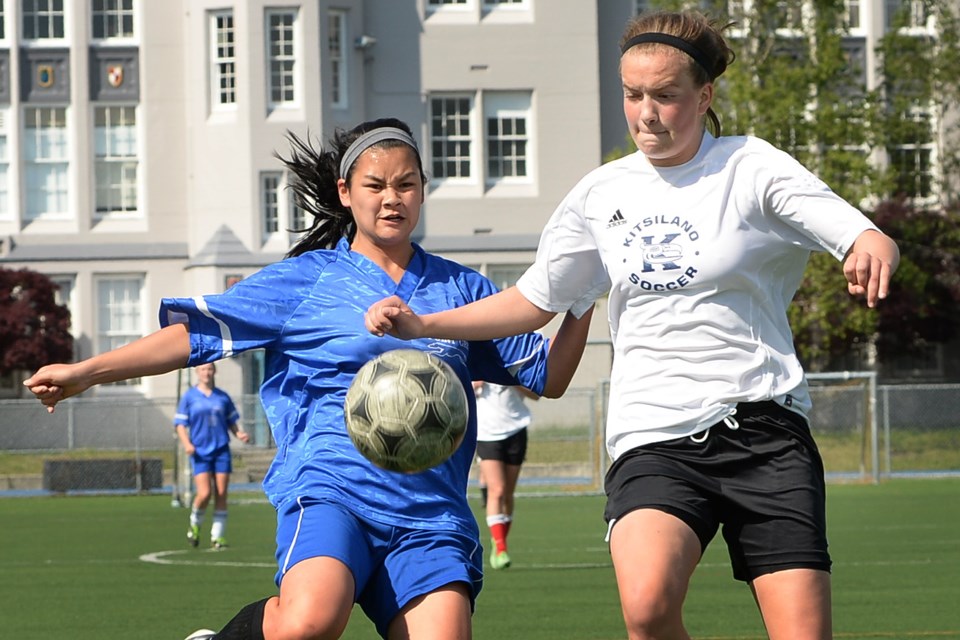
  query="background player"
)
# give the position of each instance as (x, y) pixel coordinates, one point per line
(502, 422)
(204, 421)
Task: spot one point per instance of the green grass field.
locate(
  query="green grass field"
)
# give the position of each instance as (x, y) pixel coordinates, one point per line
(102, 568)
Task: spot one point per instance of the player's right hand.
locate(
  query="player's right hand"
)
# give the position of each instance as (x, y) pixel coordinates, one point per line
(55, 382)
(391, 316)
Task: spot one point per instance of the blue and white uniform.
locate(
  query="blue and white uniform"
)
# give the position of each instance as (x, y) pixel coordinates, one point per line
(307, 313)
(208, 419)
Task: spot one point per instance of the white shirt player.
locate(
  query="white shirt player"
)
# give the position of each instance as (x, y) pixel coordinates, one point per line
(700, 262)
(501, 412)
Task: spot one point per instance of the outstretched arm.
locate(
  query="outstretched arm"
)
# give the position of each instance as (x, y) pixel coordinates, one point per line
(869, 265)
(566, 349)
(162, 351)
(503, 314)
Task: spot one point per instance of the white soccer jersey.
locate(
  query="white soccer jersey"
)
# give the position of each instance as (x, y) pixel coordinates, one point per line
(501, 412)
(700, 262)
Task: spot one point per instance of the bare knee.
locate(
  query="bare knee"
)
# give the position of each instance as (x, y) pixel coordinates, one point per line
(651, 615)
(320, 623)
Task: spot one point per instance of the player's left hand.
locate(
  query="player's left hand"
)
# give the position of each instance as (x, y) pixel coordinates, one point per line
(391, 316)
(867, 276)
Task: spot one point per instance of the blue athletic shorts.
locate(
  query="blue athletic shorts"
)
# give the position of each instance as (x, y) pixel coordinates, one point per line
(217, 462)
(391, 565)
(762, 481)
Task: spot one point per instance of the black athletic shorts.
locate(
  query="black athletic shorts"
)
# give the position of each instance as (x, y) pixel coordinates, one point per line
(763, 482)
(510, 450)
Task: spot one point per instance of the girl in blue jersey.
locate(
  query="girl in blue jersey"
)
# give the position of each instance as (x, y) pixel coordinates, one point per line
(205, 418)
(405, 547)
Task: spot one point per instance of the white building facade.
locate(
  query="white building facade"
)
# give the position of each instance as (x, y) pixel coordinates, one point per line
(137, 137)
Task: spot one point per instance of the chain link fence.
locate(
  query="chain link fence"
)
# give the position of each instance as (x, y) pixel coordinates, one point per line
(866, 432)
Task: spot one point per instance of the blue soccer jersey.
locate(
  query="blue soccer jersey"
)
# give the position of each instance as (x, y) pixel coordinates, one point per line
(307, 313)
(208, 418)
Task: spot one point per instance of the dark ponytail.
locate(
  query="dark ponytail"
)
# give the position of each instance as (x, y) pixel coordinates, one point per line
(313, 182)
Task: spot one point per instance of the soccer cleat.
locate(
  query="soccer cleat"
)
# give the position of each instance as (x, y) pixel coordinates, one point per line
(202, 634)
(193, 535)
(218, 543)
(499, 560)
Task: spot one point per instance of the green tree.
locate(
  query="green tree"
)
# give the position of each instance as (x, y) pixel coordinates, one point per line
(799, 82)
(925, 299)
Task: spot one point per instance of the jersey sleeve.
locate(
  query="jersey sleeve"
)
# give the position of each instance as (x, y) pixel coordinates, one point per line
(804, 202)
(568, 273)
(508, 361)
(182, 417)
(251, 314)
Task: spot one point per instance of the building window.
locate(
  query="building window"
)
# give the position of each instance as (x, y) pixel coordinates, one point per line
(337, 50)
(116, 159)
(450, 136)
(43, 19)
(112, 19)
(912, 160)
(506, 116)
(496, 150)
(279, 209)
(910, 14)
(295, 214)
(3, 22)
(446, 3)
(505, 275)
(119, 314)
(6, 211)
(46, 162)
(224, 58)
(853, 15)
(270, 202)
(281, 57)
(63, 296)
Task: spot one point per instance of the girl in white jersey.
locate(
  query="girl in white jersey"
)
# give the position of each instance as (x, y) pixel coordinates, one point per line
(404, 547)
(700, 242)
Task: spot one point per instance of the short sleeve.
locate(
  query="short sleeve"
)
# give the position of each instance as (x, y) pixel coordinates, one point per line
(568, 273)
(250, 315)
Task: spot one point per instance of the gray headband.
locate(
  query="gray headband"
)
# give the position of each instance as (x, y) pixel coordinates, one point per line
(369, 139)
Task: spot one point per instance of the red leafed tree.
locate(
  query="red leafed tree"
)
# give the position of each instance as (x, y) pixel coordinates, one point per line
(34, 329)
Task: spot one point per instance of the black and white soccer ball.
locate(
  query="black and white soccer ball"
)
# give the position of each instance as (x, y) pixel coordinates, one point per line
(406, 410)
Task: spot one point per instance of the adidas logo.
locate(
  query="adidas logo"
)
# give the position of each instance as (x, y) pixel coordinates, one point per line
(616, 220)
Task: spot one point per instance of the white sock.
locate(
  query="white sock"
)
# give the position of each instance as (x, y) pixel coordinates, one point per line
(219, 528)
(196, 517)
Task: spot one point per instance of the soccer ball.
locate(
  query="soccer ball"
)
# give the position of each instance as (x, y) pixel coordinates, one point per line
(406, 410)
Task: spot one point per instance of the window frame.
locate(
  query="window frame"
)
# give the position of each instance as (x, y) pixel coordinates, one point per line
(51, 16)
(106, 336)
(8, 208)
(295, 85)
(337, 52)
(217, 62)
(120, 12)
(64, 161)
(473, 164)
(275, 230)
(123, 161)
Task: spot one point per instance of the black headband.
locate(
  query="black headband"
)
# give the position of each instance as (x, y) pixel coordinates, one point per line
(672, 41)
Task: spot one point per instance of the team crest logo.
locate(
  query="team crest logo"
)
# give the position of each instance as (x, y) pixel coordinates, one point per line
(115, 75)
(45, 76)
(664, 246)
